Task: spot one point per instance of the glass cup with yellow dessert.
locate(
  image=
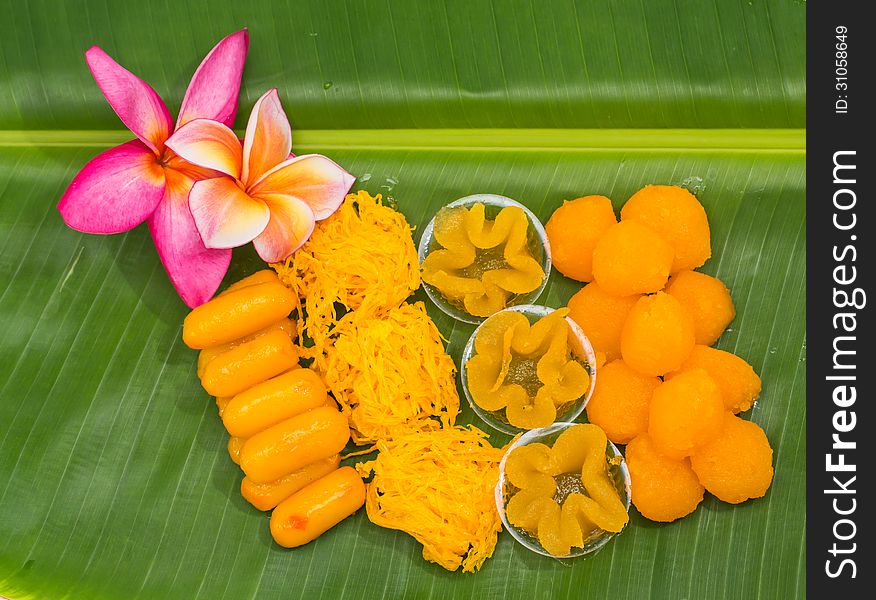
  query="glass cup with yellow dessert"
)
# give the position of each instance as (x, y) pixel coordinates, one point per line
(563, 490)
(481, 254)
(526, 367)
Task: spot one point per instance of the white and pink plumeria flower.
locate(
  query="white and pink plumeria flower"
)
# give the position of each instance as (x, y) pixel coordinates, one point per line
(266, 196)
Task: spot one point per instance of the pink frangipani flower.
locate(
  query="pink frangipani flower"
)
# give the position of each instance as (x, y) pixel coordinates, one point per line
(144, 180)
(267, 195)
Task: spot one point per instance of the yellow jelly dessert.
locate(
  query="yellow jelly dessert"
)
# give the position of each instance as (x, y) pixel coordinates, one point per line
(479, 265)
(528, 371)
(563, 495)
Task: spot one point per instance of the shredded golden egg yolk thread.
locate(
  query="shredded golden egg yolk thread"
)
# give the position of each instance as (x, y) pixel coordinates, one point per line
(361, 259)
(391, 374)
(438, 486)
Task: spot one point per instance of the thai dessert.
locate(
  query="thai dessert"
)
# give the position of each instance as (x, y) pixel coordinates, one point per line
(378, 374)
(390, 374)
(686, 413)
(313, 510)
(563, 495)
(621, 401)
(206, 355)
(357, 264)
(657, 336)
(739, 384)
(438, 486)
(249, 363)
(284, 430)
(236, 314)
(479, 264)
(663, 489)
(602, 316)
(527, 373)
(737, 464)
(707, 300)
(291, 393)
(265, 496)
(573, 231)
(294, 443)
(676, 215)
(630, 258)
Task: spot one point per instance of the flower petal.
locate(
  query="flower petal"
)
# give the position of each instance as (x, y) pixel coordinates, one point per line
(208, 144)
(115, 191)
(268, 139)
(195, 270)
(212, 93)
(225, 215)
(291, 224)
(135, 102)
(312, 178)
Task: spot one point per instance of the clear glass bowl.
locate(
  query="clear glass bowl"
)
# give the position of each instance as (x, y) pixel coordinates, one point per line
(619, 474)
(581, 349)
(493, 204)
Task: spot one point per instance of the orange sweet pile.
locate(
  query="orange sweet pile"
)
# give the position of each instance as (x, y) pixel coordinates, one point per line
(527, 373)
(480, 264)
(543, 508)
(664, 390)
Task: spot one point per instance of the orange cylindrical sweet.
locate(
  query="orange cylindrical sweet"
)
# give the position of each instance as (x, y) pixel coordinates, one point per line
(238, 313)
(234, 446)
(208, 354)
(221, 403)
(248, 364)
(263, 276)
(294, 443)
(302, 517)
(272, 401)
(265, 496)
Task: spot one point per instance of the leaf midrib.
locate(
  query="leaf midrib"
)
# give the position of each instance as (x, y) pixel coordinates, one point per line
(571, 140)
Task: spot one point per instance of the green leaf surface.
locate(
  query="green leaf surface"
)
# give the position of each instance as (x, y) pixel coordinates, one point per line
(114, 480)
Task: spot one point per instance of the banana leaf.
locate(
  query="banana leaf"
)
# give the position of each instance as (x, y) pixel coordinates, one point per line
(114, 480)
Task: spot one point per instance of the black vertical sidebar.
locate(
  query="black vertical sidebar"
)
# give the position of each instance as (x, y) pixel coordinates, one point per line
(839, 419)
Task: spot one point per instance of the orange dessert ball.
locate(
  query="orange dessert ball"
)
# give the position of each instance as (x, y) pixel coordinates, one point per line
(738, 464)
(657, 336)
(663, 489)
(601, 316)
(621, 401)
(573, 231)
(739, 384)
(686, 413)
(678, 216)
(630, 258)
(707, 300)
